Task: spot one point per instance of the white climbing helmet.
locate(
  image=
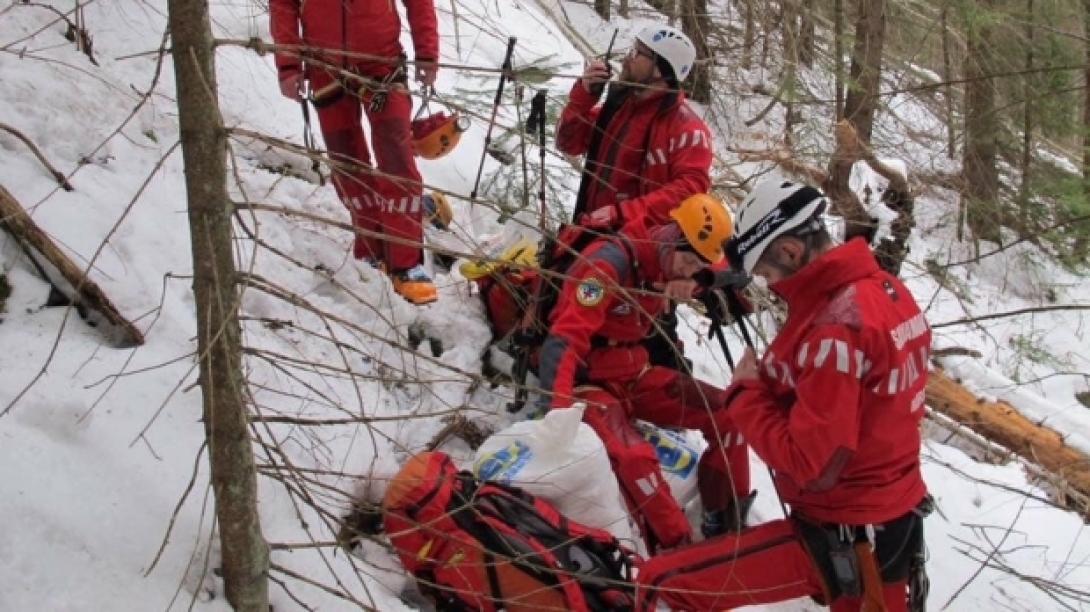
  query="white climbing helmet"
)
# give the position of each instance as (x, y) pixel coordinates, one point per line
(773, 208)
(672, 45)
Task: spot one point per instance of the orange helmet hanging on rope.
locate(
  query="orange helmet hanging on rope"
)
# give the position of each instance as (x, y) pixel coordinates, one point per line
(436, 135)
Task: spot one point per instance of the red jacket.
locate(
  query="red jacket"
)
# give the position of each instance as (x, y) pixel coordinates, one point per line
(370, 27)
(653, 154)
(597, 325)
(837, 408)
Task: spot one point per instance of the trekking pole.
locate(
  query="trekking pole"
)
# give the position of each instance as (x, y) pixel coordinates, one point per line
(524, 337)
(504, 71)
(717, 331)
(308, 141)
(536, 122)
(738, 313)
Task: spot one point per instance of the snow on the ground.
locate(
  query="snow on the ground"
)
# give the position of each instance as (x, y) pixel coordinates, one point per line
(99, 444)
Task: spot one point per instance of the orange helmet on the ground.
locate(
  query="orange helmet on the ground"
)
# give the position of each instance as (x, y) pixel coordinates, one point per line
(436, 135)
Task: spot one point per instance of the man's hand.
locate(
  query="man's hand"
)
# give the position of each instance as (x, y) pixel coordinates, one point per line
(291, 86)
(596, 72)
(607, 217)
(426, 71)
(678, 289)
(747, 367)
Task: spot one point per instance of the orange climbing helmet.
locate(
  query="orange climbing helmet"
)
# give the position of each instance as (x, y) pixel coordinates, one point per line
(436, 135)
(706, 224)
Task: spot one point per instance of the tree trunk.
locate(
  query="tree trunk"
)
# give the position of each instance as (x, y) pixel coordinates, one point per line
(749, 34)
(838, 59)
(666, 7)
(622, 9)
(807, 34)
(789, 27)
(980, 195)
(602, 8)
(860, 107)
(948, 88)
(1080, 240)
(774, 15)
(861, 103)
(204, 146)
(696, 24)
(1024, 217)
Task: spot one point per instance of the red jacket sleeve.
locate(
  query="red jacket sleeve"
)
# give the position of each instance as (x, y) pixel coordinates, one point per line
(284, 24)
(689, 159)
(424, 26)
(810, 440)
(581, 309)
(577, 121)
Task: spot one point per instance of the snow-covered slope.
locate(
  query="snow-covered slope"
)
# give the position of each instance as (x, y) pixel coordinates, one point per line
(104, 497)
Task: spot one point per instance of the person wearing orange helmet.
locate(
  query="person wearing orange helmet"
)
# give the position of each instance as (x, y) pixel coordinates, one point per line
(593, 354)
(833, 407)
(349, 52)
(645, 147)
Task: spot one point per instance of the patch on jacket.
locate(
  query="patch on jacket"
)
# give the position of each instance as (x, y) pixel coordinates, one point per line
(843, 309)
(590, 292)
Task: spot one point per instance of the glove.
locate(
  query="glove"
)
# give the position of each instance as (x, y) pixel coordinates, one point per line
(722, 279)
(426, 71)
(602, 219)
(720, 297)
(291, 86)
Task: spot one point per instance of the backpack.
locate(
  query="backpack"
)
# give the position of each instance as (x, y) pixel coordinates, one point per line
(482, 546)
(518, 300)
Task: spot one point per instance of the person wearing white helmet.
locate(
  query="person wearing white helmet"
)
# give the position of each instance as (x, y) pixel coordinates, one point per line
(645, 148)
(833, 408)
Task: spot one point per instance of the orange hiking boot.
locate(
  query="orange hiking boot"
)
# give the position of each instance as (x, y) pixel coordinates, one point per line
(414, 285)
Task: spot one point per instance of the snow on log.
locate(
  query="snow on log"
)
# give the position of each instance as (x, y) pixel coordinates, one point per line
(65, 276)
(1001, 423)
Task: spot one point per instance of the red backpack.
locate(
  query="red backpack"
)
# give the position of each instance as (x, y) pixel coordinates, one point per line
(478, 545)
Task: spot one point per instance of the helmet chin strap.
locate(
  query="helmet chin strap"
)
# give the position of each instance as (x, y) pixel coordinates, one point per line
(666, 254)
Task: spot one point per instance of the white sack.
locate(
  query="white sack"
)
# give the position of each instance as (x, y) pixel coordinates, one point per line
(560, 459)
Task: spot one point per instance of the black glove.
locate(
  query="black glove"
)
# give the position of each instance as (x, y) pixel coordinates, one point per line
(722, 279)
(719, 297)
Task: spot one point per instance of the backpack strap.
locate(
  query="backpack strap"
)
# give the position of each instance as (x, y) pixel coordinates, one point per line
(631, 263)
(412, 509)
(614, 98)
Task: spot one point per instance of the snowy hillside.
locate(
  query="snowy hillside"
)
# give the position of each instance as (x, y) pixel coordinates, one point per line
(104, 495)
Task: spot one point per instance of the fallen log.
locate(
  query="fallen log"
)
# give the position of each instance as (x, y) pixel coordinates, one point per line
(65, 277)
(57, 174)
(1068, 469)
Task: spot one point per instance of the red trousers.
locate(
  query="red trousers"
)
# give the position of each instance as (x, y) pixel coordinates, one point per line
(761, 565)
(666, 398)
(384, 196)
